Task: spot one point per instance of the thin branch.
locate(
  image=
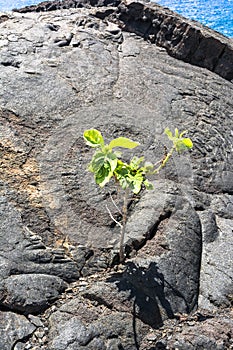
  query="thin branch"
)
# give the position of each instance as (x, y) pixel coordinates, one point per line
(123, 226)
(111, 216)
(115, 205)
(159, 162)
(164, 161)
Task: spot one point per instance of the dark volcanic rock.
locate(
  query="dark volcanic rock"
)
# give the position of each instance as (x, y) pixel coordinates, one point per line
(209, 334)
(13, 328)
(162, 283)
(82, 325)
(31, 293)
(67, 4)
(67, 70)
(25, 284)
(174, 237)
(183, 39)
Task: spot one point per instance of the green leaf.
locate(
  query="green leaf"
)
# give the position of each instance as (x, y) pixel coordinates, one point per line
(136, 182)
(187, 142)
(148, 184)
(123, 142)
(100, 159)
(183, 144)
(147, 168)
(97, 162)
(111, 158)
(135, 162)
(103, 175)
(103, 166)
(121, 170)
(123, 183)
(180, 143)
(93, 138)
(168, 132)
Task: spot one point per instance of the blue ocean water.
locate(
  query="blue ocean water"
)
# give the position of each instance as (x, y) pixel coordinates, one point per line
(6, 5)
(216, 14)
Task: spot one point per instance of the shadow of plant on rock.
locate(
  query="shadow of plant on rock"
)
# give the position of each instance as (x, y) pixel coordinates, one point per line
(147, 289)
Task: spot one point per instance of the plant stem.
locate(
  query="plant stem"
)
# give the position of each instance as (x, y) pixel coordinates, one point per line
(115, 205)
(164, 161)
(124, 220)
(112, 217)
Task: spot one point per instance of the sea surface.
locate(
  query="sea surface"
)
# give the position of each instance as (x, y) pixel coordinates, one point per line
(216, 14)
(6, 5)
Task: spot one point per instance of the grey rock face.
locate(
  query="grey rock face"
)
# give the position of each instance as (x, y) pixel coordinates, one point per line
(60, 4)
(68, 70)
(31, 293)
(216, 269)
(13, 328)
(23, 287)
(82, 325)
(73, 331)
(183, 39)
(212, 334)
(174, 237)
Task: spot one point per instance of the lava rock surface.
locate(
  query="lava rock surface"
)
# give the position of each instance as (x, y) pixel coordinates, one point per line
(67, 66)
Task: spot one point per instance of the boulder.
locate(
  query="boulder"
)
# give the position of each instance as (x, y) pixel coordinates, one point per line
(31, 293)
(13, 328)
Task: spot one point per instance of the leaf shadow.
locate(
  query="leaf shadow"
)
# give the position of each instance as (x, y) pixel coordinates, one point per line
(146, 287)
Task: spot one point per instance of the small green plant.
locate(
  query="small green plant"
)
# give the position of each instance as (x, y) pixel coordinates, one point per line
(107, 164)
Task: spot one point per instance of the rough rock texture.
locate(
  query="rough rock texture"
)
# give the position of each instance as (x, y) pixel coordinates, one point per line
(81, 66)
(183, 39)
(13, 328)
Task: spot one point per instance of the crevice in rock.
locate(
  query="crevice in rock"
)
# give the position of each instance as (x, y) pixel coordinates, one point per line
(162, 217)
(10, 64)
(22, 340)
(61, 42)
(88, 255)
(4, 18)
(136, 245)
(230, 193)
(103, 14)
(4, 308)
